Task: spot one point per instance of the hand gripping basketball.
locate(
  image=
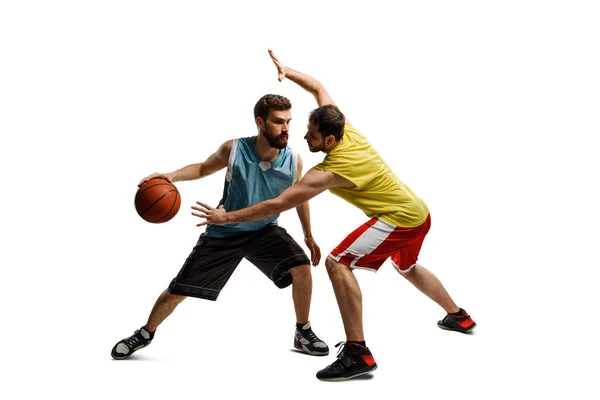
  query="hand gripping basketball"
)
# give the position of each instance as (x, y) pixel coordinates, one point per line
(157, 200)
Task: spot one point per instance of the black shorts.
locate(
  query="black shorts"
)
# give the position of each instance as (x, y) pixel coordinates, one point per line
(213, 260)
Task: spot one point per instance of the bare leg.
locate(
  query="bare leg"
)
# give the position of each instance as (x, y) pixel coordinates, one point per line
(349, 298)
(301, 291)
(431, 286)
(164, 306)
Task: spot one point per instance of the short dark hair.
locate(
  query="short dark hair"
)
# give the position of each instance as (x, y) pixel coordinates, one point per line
(329, 120)
(270, 102)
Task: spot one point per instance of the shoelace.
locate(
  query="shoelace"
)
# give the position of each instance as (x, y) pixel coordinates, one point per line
(132, 341)
(311, 335)
(341, 349)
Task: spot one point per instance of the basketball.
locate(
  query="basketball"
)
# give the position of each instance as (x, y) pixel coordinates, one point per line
(157, 200)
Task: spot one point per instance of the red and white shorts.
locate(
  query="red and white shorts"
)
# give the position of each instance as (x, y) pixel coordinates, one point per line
(374, 241)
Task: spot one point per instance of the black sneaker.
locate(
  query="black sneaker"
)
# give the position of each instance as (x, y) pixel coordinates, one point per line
(353, 360)
(461, 323)
(128, 346)
(306, 340)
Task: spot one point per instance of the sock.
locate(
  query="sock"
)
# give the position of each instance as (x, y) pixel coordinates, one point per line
(363, 343)
(457, 314)
(150, 333)
(303, 326)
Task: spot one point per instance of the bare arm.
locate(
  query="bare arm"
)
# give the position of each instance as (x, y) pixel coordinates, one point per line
(312, 184)
(306, 82)
(213, 163)
(303, 211)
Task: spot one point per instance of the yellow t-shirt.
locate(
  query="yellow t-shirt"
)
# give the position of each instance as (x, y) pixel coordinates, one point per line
(378, 192)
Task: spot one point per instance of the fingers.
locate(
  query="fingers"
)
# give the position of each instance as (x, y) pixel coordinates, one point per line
(210, 214)
(155, 175)
(317, 256)
(205, 206)
(315, 253)
(200, 214)
(280, 67)
(275, 60)
(147, 179)
(201, 210)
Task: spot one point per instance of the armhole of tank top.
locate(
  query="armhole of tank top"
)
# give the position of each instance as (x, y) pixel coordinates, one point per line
(294, 166)
(234, 146)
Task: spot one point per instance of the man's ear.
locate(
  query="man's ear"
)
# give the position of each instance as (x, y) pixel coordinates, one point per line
(329, 140)
(260, 123)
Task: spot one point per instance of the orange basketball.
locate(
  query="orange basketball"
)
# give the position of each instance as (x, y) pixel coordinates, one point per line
(157, 200)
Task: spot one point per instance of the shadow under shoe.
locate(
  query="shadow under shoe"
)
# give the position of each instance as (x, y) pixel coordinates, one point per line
(461, 323)
(353, 360)
(126, 347)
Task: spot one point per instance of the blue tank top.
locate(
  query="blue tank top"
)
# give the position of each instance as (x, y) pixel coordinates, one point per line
(249, 181)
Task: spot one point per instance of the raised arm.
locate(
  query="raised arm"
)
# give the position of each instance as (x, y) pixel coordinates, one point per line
(306, 82)
(215, 162)
(313, 183)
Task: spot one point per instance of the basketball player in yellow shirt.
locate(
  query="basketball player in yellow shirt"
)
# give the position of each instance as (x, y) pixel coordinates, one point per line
(399, 221)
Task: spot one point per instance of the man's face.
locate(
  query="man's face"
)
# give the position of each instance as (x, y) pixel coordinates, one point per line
(314, 139)
(277, 128)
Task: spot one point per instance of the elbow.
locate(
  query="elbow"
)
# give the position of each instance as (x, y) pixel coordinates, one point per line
(320, 91)
(199, 171)
(279, 206)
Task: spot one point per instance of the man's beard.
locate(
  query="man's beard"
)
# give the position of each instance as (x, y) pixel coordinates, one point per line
(277, 142)
(316, 149)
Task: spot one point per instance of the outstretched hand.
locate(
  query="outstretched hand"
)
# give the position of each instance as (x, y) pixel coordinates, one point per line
(215, 216)
(280, 67)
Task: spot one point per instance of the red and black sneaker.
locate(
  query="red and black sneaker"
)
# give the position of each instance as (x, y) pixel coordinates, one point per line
(460, 323)
(353, 360)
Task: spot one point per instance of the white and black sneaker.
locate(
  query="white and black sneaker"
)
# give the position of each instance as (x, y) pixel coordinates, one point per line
(306, 340)
(126, 347)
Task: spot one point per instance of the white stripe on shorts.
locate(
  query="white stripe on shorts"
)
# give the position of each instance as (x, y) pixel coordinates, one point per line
(399, 270)
(368, 241)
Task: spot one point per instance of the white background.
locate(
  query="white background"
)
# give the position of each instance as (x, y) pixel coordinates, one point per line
(488, 111)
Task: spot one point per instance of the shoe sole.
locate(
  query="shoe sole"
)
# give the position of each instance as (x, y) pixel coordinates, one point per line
(312, 353)
(345, 378)
(461, 330)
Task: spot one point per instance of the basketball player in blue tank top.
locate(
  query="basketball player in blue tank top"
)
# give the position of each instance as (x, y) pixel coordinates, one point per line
(258, 168)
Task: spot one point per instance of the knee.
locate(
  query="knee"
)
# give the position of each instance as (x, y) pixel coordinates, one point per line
(172, 300)
(412, 272)
(332, 266)
(300, 273)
